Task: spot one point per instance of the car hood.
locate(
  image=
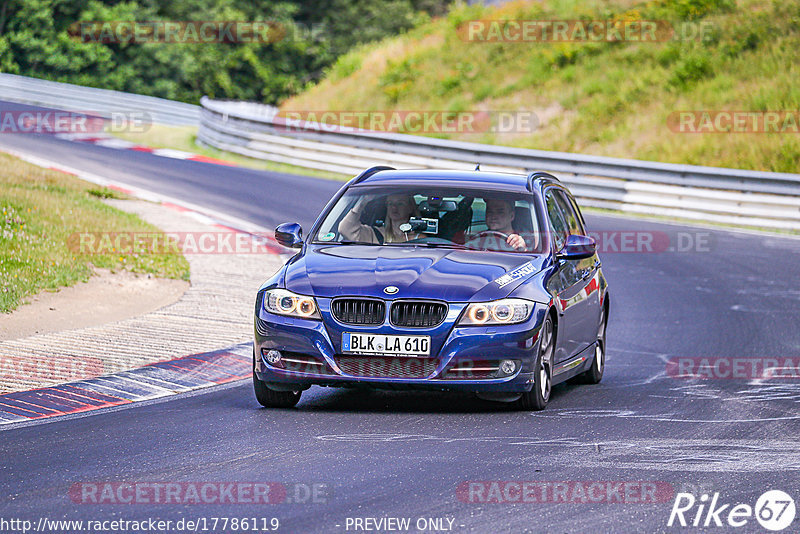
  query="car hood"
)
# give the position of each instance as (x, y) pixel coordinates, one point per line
(418, 272)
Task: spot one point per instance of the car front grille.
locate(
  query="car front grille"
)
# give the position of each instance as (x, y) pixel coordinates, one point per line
(418, 313)
(358, 311)
(386, 366)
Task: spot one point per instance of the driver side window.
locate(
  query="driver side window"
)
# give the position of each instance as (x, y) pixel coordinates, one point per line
(558, 226)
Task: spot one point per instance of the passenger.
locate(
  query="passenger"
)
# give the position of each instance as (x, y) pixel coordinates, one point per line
(399, 209)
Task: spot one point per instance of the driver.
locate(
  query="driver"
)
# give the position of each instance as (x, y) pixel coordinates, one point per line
(499, 216)
(399, 209)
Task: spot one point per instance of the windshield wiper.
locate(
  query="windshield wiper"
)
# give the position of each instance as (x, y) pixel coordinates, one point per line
(346, 243)
(439, 245)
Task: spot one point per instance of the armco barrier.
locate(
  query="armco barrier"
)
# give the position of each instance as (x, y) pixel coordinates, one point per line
(104, 102)
(730, 196)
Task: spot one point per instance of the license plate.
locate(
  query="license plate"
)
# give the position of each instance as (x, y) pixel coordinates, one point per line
(381, 344)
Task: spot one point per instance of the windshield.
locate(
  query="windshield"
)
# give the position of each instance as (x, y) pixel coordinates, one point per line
(457, 218)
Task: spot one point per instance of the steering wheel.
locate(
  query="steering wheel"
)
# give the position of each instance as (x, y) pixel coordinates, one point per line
(489, 233)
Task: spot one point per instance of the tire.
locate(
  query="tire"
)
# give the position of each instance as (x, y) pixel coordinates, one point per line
(595, 373)
(269, 398)
(536, 399)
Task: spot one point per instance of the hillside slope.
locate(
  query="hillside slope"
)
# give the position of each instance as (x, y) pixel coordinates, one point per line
(606, 98)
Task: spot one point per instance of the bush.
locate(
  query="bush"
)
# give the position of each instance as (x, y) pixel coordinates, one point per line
(690, 69)
(41, 38)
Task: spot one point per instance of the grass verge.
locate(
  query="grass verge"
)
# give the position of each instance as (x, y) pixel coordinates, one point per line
(40, 209)
(606, 98)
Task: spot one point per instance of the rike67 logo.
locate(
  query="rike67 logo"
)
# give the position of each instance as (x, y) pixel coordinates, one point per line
(774, 510)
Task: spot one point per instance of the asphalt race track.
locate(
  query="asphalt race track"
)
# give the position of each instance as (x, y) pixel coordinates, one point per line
(405, 455)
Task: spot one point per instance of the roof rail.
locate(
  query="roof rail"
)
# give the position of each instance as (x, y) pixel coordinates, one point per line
(369, 172)
(539, 174)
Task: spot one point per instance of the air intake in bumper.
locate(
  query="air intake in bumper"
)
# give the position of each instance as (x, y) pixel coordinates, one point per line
(386, 367)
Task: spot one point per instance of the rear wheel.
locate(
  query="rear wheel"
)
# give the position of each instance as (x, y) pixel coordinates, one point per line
(595, 373)
(537, 397)
(270, 398)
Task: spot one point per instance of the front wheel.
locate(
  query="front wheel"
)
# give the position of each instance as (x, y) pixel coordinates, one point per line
(595, 373)
(536, 399)
(270, 398)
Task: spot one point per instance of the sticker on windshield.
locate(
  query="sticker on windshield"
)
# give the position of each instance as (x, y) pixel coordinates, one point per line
(327, 237)
(517, 274)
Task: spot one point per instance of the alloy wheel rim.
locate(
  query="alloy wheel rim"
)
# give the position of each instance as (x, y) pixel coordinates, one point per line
(600, 347)
(599, 357)
(544, 365)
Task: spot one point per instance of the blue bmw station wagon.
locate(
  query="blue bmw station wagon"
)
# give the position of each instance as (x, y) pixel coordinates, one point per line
(427, 279)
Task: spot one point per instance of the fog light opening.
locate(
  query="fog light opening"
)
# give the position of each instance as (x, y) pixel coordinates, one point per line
(273, 356)
(507, 367)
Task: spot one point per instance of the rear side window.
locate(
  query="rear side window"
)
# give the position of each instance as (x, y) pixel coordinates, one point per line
(557, 224)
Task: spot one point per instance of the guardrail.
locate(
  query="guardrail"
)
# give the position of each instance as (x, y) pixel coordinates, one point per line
(103, 102)
(714, 194)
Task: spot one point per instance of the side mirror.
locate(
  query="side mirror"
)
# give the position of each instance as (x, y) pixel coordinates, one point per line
(577, 247)
(290, 235)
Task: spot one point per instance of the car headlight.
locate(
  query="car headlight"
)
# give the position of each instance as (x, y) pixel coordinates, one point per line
(284, 302)
(503, 311)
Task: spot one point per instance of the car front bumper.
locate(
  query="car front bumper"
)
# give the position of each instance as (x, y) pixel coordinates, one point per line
(302, 340)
